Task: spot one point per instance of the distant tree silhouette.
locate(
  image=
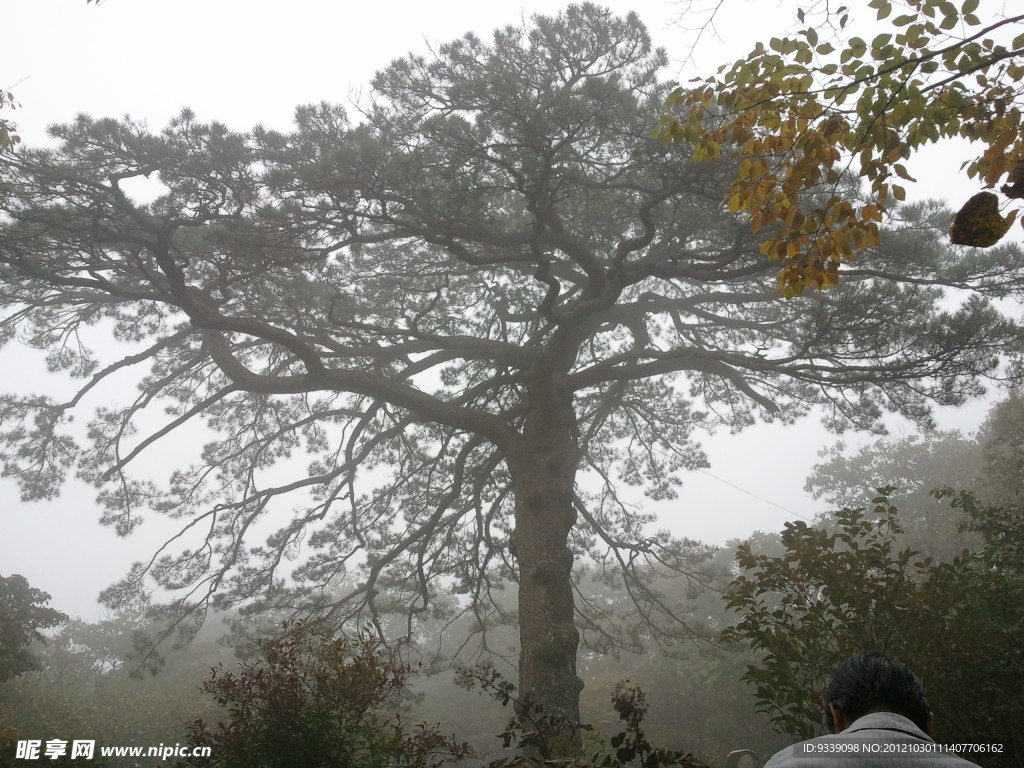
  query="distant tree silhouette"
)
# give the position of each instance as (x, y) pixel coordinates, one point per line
(23, 612)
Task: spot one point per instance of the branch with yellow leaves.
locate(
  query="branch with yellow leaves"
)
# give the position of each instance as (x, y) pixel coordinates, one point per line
(799, 115)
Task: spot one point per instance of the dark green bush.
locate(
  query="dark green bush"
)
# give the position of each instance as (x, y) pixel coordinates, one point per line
(312, 700)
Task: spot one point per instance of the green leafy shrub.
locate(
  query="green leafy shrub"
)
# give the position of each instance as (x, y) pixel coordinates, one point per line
(852, 587)
(312, 700)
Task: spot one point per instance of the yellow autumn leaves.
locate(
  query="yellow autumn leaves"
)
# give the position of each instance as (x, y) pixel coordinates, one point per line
(799, 114)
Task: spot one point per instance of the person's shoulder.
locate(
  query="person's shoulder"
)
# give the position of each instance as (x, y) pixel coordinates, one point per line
(885, 724)
(877, 727)
(796, 757)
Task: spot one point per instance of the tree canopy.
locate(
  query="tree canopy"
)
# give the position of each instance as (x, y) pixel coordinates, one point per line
(23, 612)
(987, 463)
(803, 110)
(431, 348)
(86, 683)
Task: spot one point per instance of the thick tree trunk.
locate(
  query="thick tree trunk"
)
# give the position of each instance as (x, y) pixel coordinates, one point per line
(543, 473)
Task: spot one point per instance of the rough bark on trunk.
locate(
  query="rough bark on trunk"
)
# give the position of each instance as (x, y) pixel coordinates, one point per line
(543, 473)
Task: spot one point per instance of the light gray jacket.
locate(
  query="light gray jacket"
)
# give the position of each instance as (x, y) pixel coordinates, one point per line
(877, 740)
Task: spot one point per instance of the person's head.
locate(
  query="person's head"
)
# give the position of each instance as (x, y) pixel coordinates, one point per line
(741, 758)
(875, 682)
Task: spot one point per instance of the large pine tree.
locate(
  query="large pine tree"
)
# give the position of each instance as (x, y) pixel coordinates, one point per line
(491, 286)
